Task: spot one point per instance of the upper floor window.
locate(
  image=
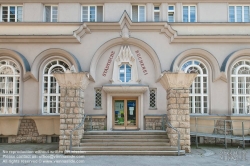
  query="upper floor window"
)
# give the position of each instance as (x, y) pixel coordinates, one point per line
(51, 89)
(198, 92)
(189, 13)
(9, 87)
(156, 13)
(239, 14)
(51, 13)
(240, 80)
(12, 13)
(138, 13)
(125, 72)
(171, 13)
(92, 13)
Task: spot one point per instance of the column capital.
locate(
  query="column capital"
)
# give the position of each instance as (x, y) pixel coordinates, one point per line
(72, 80)
(177, 80)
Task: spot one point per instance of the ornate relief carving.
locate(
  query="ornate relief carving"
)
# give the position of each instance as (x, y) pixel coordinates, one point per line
(125, 56)
(125, 34)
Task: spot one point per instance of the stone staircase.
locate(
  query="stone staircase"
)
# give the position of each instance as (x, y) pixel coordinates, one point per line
(125, 143)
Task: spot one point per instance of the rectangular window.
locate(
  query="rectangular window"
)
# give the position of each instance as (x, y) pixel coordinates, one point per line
(3, 139)
(12, 13)
(239, 14)
(54, 139)
(156, 13)
(51, 13)
(98, 98)
(170, 13)
(138, 13)
(189, 13)
(152, 98)
(92, 13)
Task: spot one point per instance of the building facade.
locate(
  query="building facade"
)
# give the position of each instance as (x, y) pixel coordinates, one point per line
(124, 47)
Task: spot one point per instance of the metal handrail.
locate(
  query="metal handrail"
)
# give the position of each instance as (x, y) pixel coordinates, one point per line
(178, 141)
(71, 132)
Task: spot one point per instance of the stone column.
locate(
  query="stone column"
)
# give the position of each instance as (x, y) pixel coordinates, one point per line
(72, 86)
(177, 87)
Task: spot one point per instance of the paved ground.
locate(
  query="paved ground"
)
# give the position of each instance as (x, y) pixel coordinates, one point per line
(42, 154)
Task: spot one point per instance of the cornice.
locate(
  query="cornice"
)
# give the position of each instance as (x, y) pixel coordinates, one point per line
(122, 1)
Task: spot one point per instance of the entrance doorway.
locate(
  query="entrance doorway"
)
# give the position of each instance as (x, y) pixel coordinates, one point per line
(125, 113)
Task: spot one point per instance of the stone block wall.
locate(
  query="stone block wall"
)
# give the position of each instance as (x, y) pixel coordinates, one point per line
(178, 116)
(71, 114)
(96, 124)
(154, 123)
(28, 133)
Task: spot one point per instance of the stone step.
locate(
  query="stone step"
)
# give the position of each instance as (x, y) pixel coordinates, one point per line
(158, 153)
(124, 140)
(111, 143)
(153, 132)
(125, 136)
(125, 148)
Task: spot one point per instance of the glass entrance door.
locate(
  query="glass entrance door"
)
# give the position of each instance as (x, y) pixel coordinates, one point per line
(125, 114)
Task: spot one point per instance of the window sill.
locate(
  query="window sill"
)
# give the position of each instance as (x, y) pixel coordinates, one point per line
(152, 108)
(98, 108)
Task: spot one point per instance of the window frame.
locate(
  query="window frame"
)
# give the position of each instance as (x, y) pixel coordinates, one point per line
(189, 13)
(89, 12)
(235, 12)
(153, 108)
(201, 95)
(51, 13)
(100, 89)
(10, 5)
(49, 94)
(157, 11)
(14, 87)
(138, 9)
(171, 11)
(237, 95)
(125, 72)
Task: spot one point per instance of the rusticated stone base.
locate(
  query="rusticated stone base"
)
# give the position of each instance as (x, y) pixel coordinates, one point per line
(71, 114)
(154, 123)
(96, 124)
(178, 116)
(28, 133)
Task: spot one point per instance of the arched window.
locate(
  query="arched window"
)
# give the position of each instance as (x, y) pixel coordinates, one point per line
(51, 89)
(198, 92)
(125, 73)
(9, 87)
(240, 79)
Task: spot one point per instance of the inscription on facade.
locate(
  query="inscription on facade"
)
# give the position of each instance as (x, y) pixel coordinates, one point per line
(144, 70)
(105, 71)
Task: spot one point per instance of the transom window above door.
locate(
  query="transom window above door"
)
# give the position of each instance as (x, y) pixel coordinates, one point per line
(125, 73)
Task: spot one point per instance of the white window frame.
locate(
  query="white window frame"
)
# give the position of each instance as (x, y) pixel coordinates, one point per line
(89, 12)
(237, 95)
(51, 14)
(201, 95)
(138, 8)
(13, 94)
(157, 11)
(171, 11)
(189, 12)
(8, 19)
(48, 94)
(235, 12)
(125, 72)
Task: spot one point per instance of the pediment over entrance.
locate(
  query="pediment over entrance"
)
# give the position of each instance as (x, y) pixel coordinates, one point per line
(125, 88)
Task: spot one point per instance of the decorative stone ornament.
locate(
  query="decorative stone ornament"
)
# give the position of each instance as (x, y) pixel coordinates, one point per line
(125, 56)
(125, 34)
(177, 87)
(72, 80)
(177, 80)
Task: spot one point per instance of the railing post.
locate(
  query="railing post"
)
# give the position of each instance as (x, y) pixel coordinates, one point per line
(243, 137)
(91, 125)
(70, 148)
(225, 128)
(196, 138)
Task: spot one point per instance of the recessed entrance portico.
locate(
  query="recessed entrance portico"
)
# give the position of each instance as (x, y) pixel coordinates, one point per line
(124, 97)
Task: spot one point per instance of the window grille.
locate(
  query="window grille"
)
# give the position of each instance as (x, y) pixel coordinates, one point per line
(152, 100)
